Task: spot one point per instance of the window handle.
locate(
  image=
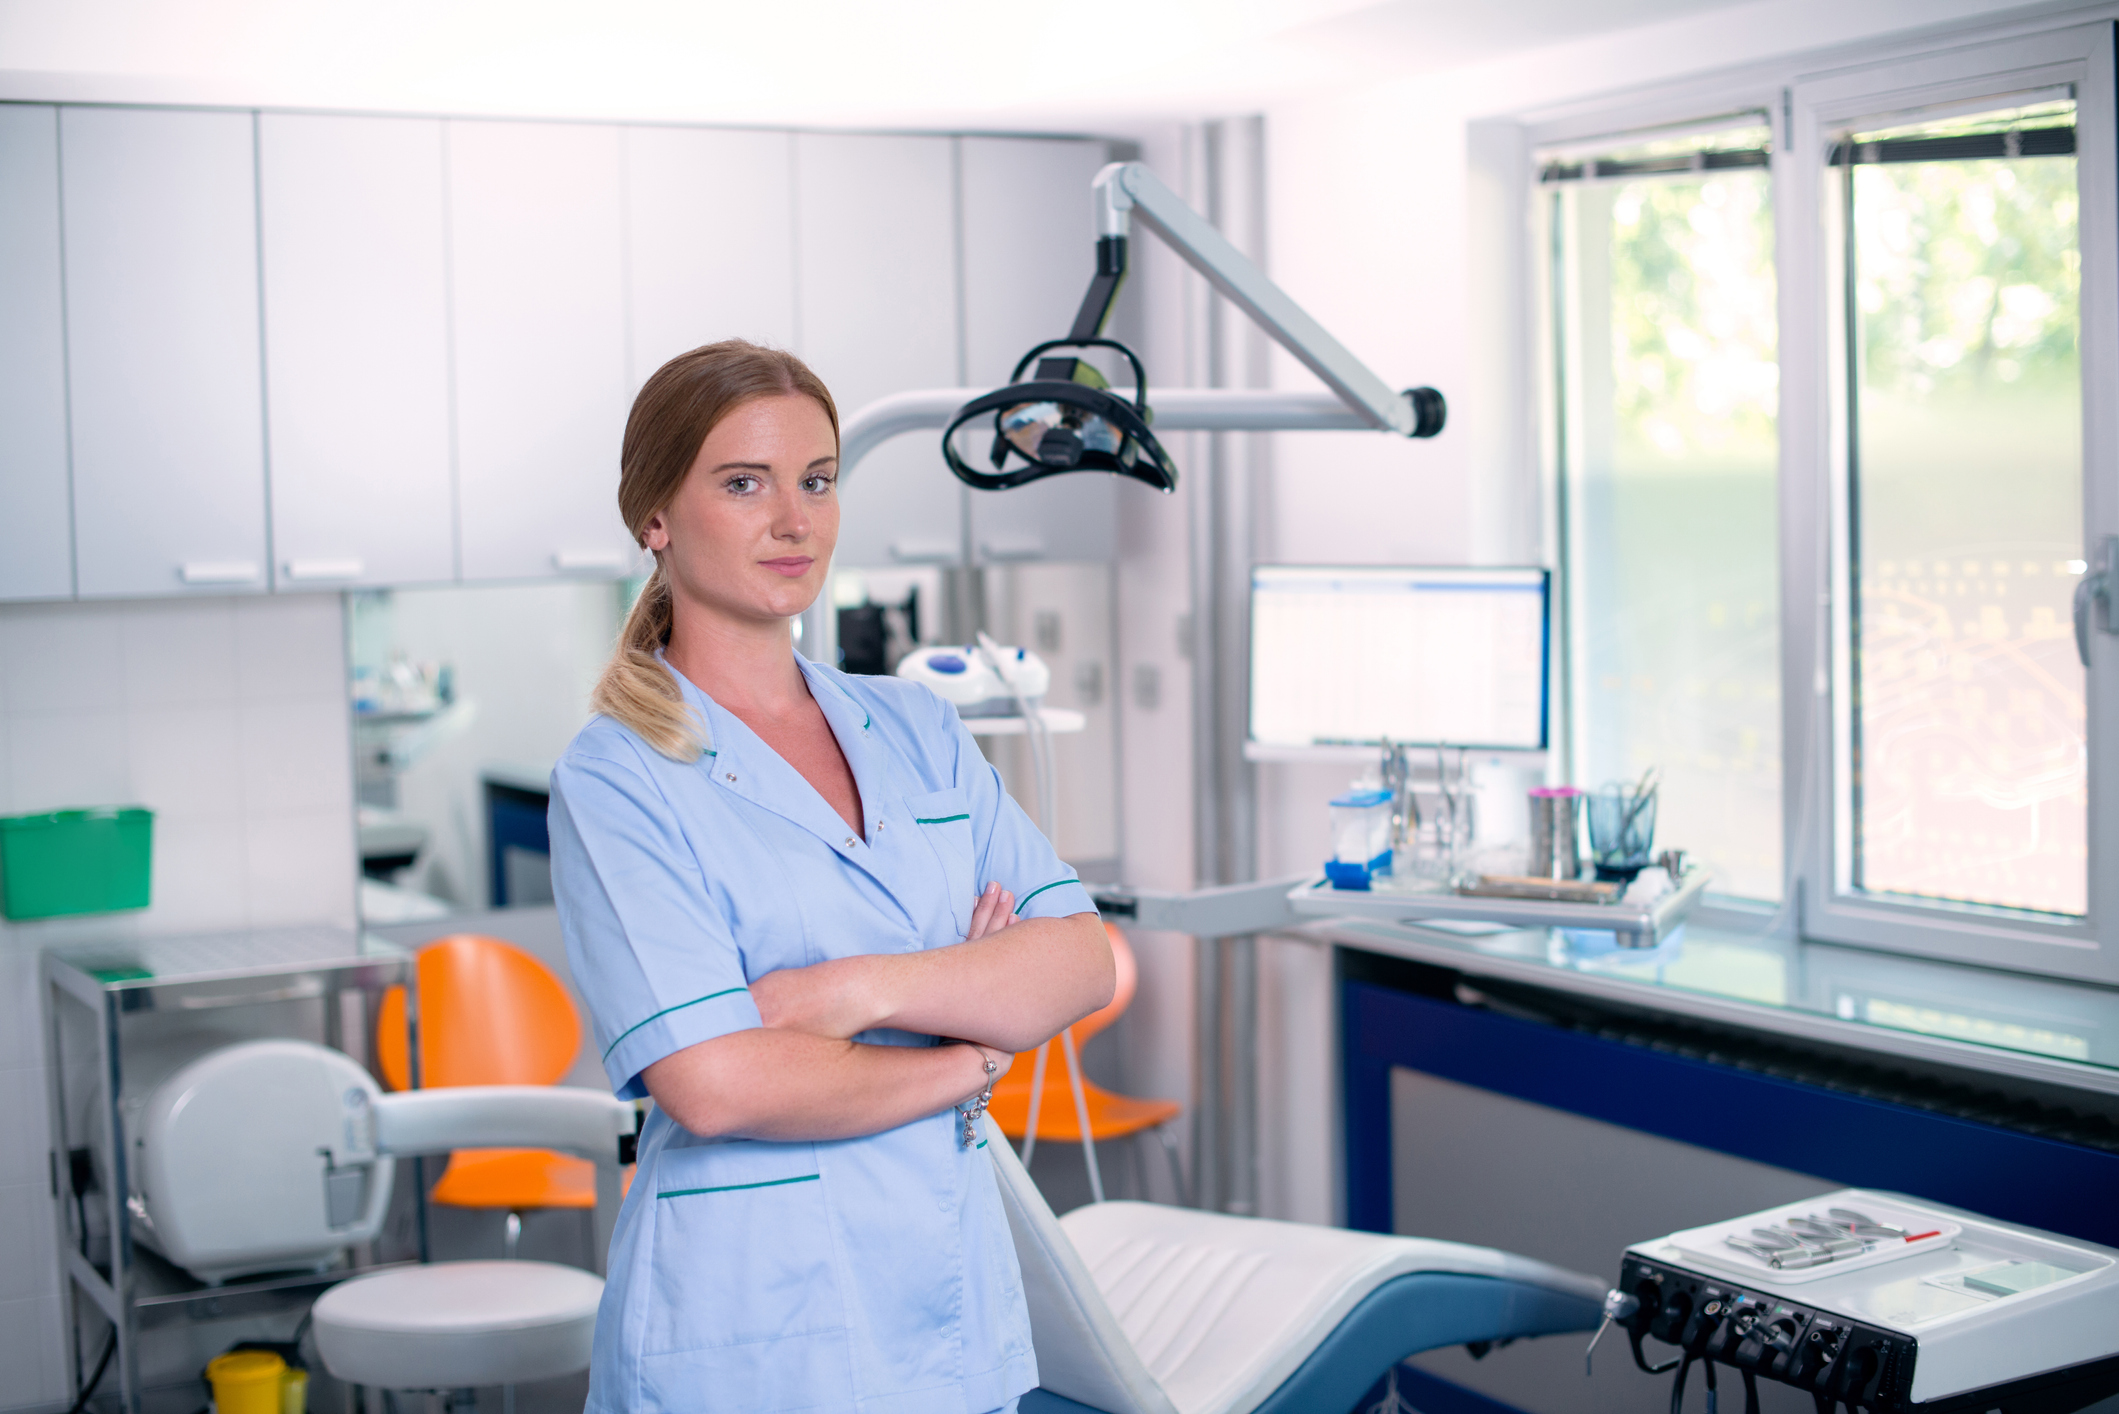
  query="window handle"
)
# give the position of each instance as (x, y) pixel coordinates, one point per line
(2100, 583)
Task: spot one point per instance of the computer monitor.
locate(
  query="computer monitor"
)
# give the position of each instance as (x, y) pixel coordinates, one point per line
(1344, 655)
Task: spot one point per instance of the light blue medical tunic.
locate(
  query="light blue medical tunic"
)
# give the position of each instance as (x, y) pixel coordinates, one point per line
(872, 1274)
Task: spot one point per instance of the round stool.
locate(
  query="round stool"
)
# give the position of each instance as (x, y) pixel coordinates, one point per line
(457, 1325)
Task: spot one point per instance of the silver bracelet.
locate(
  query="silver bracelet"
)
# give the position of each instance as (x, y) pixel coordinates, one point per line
(970, 1110)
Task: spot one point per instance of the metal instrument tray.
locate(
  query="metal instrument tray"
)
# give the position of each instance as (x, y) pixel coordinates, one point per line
(1638, 925)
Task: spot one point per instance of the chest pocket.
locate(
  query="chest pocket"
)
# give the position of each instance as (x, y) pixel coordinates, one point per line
(943, 819)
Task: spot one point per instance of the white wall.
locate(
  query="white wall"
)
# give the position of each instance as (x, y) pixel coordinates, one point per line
(227, 718)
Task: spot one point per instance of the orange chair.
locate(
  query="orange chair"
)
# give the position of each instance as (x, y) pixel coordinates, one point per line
(490, 1014)
(1057, 1099)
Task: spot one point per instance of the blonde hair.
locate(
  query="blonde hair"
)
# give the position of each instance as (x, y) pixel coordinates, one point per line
(676, 409)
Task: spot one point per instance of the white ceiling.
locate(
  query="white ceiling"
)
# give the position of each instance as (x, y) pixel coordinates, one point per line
(1002, 64)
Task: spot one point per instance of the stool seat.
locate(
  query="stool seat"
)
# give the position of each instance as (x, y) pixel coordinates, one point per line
(458, 1325)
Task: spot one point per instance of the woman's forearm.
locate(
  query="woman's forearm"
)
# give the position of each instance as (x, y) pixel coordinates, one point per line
(1012, 989)
(788, 1085)
(1015, 989)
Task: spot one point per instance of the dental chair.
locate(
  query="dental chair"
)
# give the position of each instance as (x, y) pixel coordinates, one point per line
(1137, 1308)
(458, 1326)
(277, 1155)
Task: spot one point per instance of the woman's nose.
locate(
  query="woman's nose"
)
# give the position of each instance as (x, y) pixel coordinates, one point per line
(790, 517)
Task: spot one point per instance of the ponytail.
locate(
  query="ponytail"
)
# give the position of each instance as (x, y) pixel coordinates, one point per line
(638, 689)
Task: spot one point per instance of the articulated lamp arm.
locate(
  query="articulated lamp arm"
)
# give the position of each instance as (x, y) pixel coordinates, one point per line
(1124, 190)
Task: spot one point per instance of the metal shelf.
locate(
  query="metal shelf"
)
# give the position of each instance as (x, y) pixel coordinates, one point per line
(1058, 720)
(1640, 925)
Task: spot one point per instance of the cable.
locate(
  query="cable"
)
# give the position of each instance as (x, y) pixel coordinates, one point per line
(1677, 1386)
(1710, 1386)
(1750, 1393)
(110, 1348)
(1640, 1357)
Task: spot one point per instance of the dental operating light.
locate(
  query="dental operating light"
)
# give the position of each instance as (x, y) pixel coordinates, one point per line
(1068, 418)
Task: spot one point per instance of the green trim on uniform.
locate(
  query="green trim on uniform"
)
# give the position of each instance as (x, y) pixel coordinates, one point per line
(1036, 891)
(980, 1145)
(733, 1187)
(725, 992)
(939, 819)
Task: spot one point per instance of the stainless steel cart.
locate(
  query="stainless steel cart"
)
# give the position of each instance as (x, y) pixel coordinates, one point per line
(96, 996)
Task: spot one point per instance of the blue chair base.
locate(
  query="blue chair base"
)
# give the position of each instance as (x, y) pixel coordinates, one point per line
(1404, 1316)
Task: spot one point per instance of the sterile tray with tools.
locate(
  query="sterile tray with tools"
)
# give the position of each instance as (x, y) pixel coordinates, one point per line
(1800, 1242)
(1639, 922)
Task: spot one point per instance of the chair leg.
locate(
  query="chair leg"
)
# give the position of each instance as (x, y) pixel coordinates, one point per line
(1081, 1115)
(1177, 1169)
(1037, 1096)
(511, 1236)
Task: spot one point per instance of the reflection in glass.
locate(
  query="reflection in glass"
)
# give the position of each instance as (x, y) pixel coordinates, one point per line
(463, 697)
(1967, 773)
(1667, 337)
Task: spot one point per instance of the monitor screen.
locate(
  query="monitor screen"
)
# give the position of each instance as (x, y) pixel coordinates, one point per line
(1426, 656)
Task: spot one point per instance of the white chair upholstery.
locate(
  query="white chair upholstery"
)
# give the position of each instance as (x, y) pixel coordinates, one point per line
(458, 1325)
(1137, 1308)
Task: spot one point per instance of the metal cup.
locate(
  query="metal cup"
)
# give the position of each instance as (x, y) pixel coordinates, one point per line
(1554, 829)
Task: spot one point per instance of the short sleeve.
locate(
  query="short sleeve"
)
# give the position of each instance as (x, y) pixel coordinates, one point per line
(650, 947)
(1007, 845)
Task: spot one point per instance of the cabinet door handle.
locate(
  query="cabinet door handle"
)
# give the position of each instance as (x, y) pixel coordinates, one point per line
(325, 569)
(219, 572)
(924, 552)
(577, 561)
(1023, 547)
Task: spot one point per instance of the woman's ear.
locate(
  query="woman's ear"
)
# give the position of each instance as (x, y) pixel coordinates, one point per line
(655, 535)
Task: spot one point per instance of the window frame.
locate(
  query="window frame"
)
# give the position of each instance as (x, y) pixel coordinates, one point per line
(1807, 98)
(1817, 552)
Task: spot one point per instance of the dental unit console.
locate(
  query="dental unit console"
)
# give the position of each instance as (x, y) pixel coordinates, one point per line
(983, 680)
(1873, 1301)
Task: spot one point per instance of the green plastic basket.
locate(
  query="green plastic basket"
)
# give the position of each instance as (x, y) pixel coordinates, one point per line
(75, 861)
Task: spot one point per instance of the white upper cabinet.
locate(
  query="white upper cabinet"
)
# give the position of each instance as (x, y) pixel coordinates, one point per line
(537, 285)
(1029, 252)
(710, 241)
(875, 247)
(36, 538)
(160, 212)
(356, 350)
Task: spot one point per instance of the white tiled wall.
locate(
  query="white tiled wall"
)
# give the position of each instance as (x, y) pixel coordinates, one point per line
(227, 718)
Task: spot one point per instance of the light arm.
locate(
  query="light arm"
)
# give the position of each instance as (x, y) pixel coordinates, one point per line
(1127, 189)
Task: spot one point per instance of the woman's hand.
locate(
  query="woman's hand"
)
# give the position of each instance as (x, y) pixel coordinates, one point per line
(843, 997)
(994, 911)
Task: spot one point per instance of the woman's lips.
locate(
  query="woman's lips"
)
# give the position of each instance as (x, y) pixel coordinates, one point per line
(793, 566)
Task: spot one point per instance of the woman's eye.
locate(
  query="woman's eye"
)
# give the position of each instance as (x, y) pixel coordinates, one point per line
(820, 485)
(743, 485)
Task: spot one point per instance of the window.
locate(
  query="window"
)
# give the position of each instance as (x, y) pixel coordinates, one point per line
(1956, 216)
(1833, 435)
(1965, 775)
(1666, 325)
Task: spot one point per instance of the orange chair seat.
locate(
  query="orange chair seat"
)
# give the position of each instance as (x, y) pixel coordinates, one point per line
(1111, 1116)
(516, 1179)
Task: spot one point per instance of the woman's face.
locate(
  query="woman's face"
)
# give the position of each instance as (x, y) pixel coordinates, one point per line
(750, 532)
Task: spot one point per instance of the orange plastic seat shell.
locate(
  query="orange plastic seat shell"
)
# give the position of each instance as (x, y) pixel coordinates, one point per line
(490, 1014)
(1111, 1116)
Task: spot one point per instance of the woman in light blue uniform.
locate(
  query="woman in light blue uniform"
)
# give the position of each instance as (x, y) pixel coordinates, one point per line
(810, 924)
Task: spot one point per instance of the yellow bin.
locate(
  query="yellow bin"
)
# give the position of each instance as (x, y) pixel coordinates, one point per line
(246, 1382)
